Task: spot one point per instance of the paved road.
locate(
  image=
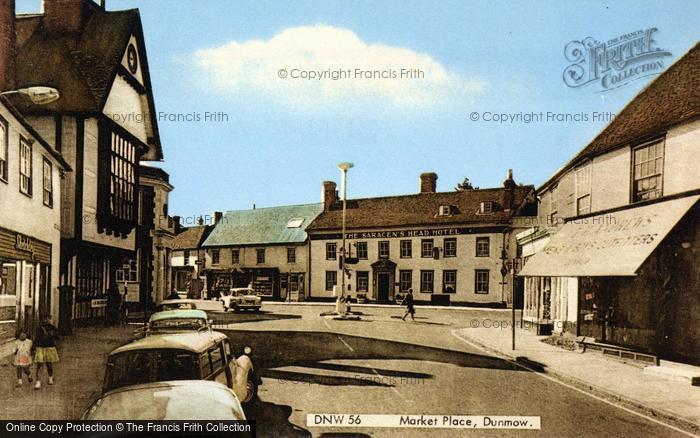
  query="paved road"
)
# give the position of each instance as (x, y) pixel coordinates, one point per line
(382, 365)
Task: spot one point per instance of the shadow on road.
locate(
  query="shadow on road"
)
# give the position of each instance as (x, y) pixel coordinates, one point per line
(276, 421)
(222, 318)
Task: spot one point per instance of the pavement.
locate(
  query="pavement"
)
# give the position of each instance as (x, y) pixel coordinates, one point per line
(78, 377)
(676, 402)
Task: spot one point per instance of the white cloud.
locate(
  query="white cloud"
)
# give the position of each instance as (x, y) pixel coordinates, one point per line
(253, 66)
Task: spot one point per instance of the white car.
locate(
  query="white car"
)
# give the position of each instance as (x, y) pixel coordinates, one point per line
(170, 400)
(241, 298)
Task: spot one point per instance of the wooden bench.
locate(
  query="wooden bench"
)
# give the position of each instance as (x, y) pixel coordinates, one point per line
(585, 343)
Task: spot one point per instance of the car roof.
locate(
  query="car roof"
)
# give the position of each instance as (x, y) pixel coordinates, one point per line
(168, 399)
(190, 341)
(178, 314)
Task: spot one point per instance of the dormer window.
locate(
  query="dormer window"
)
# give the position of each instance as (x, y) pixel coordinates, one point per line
(445, 210)
(295, 222)
(486, 207)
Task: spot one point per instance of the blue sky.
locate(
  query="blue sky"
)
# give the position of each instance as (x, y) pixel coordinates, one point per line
(284, 137)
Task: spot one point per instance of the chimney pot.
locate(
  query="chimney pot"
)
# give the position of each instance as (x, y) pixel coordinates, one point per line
(509, 191)
(329, 195)
(428, 182)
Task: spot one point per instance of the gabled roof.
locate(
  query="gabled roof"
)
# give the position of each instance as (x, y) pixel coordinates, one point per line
(422, 209)
(672, 98)
(263, 226)
(191, 237)
(82, 66)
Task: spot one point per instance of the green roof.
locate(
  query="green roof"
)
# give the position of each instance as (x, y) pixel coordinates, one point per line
(259, 226)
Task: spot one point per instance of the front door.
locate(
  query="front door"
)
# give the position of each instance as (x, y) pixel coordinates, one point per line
(383, 287)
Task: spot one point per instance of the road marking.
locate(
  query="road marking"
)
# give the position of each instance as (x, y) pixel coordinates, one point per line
(326, 322)
(392, 387)
(552, 379)
(346, 344)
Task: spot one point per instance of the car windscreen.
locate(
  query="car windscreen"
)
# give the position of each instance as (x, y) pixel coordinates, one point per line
(145, 366)
(178, 324)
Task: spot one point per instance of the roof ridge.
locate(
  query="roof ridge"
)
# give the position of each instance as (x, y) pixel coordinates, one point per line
(273, 207)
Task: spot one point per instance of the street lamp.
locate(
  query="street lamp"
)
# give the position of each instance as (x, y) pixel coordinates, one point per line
(38, 95)
(344, 167)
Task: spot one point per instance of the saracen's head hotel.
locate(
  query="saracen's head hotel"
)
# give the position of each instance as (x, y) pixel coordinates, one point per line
(449, 247)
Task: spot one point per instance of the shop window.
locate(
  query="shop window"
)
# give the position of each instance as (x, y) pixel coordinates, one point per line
(427, 246)
(583, 189)
(8, 278)
(215, 256)
(450, 249)
(647, 168)
(291, 255)
(449, 282)
(48, 183)
(260, 255)
(406, 249)
(129, 272)
(331, 251)
(383, 249)
(481, 281)
(235, 256)
(90, 281)
(405, 280)
(3, 149)
(331, 280)
(362, 281)
(25, 166)
(483, 246)
(362, 250)
(427, 281)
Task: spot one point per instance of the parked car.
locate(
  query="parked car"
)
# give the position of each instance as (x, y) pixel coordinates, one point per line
(204, 355)
(175, 321)
(241, 298)
(170, 400)
(205, 305)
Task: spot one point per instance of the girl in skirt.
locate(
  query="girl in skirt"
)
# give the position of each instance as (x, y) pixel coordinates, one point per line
(45, 351)
(23, 358)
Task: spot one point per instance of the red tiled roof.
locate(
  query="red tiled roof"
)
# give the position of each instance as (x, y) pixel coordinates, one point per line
(423, 209)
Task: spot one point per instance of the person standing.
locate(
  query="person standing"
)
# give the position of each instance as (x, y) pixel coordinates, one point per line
(23, 358)
(45, 349)
(408, 302)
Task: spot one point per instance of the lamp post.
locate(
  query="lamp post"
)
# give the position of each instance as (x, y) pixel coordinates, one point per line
(344, 167)
(39, 95)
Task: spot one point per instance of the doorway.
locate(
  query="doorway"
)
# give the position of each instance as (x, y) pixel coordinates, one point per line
(383, 287)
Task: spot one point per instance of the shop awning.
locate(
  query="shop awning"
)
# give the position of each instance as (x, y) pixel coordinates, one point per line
(612, 244)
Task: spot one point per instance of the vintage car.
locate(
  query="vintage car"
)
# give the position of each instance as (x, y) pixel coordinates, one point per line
(205, 305)
(205, 355)
(169, 400)
(174, 321)
(241, 298)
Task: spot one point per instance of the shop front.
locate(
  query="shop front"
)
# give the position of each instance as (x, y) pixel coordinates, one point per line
(637, 273)
(25, 270)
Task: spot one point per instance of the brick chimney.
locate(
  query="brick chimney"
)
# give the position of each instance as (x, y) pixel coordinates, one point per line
(509, 191)
(66, 16)
(7, 45)
(329, 195)
(217, 217)
(428, 182)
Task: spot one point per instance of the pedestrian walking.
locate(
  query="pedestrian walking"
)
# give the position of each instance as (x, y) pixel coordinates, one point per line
(45, 350)
(23, 358)
(408, 302)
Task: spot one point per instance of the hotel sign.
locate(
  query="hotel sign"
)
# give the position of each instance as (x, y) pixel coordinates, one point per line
(407, 234)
